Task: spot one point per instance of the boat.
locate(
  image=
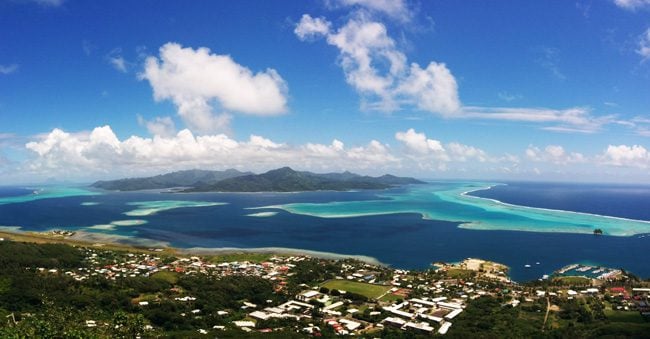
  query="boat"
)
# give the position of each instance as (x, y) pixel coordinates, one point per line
(527, 266)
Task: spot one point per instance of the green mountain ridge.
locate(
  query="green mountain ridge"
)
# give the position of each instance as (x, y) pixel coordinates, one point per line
(282, 179)
(188, 178)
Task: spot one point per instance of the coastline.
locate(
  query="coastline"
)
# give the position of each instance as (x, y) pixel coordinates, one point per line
(91, 239)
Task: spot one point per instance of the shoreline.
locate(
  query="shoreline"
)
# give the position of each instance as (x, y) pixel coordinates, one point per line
(96, 240)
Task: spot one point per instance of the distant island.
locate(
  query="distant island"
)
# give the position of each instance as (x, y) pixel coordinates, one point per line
(282, 179)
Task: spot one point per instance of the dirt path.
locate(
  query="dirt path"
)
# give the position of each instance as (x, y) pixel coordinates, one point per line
(548, 309)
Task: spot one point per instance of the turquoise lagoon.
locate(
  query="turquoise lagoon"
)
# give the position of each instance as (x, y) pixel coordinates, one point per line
(406, 227)
(46, 192)
(453, 203)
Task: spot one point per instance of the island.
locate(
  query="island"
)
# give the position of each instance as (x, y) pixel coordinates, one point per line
(283, 179)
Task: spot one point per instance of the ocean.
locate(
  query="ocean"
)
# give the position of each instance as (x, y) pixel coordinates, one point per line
(407, 227)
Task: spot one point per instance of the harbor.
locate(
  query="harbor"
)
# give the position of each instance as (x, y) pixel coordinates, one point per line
(587, 271)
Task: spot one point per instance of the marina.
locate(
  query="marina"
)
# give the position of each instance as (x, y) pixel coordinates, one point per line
(587, 271)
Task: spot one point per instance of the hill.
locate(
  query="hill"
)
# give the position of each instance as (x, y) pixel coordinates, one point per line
(287, 180)
(189, 178)
(279, 180)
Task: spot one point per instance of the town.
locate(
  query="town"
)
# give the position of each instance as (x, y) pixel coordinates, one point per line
(319, 297)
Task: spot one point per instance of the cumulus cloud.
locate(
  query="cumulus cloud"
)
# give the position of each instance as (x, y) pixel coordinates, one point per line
(379, 71)
(433, 88)
(644, 45)
(376, 68)
(463, 153)
(8, 69)
(626, 156)
(196, 80)
(554, 154)
(429, 153)
(312, 27)
(419, 143)
(632, 4)
(396, 9)
(100, 152)
(160, 126)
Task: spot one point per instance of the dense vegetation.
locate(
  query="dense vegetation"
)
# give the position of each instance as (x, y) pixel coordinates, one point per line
(41, 304)
(189, 178)
(36, 303)
(280, 180)
(287, 180)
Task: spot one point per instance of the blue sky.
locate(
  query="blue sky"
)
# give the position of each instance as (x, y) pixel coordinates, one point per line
(544, 90)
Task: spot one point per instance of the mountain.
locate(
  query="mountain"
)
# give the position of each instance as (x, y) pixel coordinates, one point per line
(189, 178)
(279, 180)
(287, 180)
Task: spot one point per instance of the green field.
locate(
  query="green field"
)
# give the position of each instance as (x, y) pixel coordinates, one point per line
(459, 273)
(624, 316)
(170, 277)
(391, 297)
(369, 290)
(573, 280)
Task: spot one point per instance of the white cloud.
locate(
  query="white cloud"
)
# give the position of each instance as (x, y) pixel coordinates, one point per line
(116, 60)
(312, 27)
(160, 126)
(632, 4)
(380, 73)
(196, 79)
(419, 143)
(626, 156)
(463, 153)
(8, 69)
(434, 88)
(100, 154)
(378, 70)
(396, 9)
(118, 63)
(576, 119)
(432, 153)
(644, 45)
(554, 154)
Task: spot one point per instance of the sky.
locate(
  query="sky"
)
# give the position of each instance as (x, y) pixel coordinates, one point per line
(552, 90)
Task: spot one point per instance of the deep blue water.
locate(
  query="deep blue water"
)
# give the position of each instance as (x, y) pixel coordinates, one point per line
(9, 191)
(625, 201)
(402, 240)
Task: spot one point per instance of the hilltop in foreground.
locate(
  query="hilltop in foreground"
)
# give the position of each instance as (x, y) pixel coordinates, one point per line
(91, 291)
(279, 180)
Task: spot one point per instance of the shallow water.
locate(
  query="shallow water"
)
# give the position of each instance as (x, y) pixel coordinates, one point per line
(401, 238)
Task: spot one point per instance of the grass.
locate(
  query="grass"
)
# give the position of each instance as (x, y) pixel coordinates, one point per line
(572, 280)
(624, 316)
(391, 297)
(170, 277)
(241, 256)
(369, 290)
(458, 273)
